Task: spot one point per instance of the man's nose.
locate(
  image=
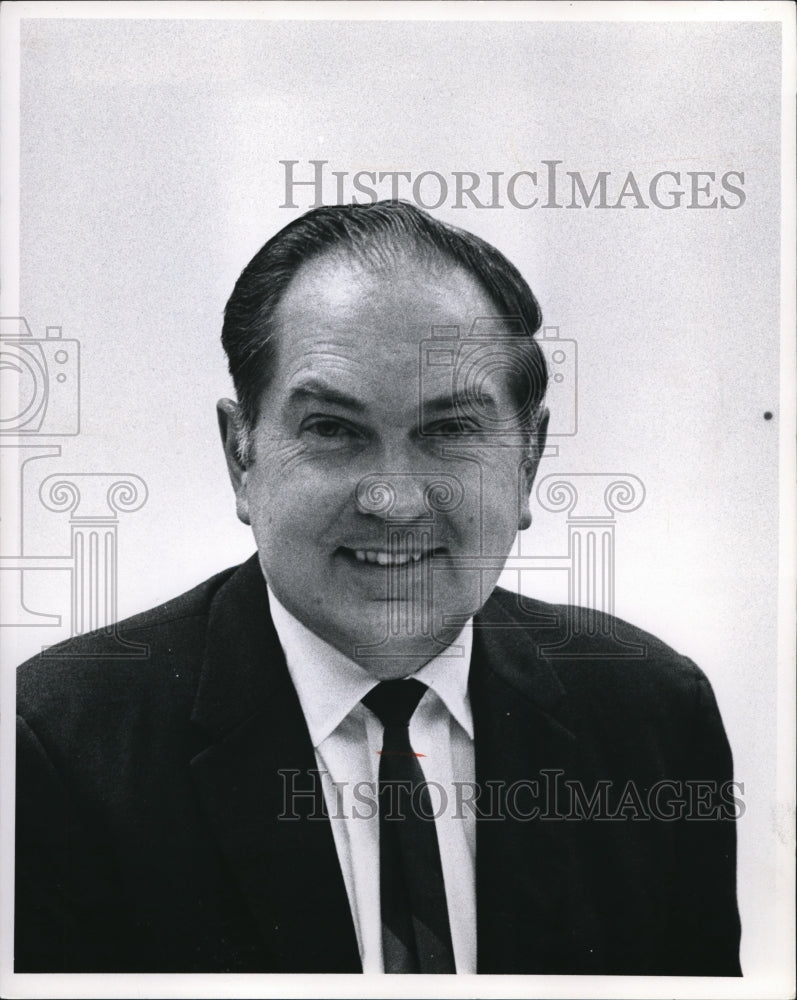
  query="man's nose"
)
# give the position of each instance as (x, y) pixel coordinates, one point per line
(409, 496)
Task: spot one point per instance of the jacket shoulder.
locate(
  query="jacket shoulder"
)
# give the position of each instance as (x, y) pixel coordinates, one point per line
(626, 694)
(585, 645)
(167, 638)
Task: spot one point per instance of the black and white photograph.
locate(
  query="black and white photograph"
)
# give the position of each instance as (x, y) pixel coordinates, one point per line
(397, 550)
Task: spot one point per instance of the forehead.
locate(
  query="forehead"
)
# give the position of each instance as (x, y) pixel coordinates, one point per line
(336, 306)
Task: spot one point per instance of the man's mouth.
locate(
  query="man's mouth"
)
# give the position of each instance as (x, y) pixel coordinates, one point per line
(383, 557)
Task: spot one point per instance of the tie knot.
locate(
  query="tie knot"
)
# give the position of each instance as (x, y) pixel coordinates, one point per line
(393, 702)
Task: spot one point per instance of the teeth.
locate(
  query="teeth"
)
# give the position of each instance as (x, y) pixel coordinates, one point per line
(386, 558)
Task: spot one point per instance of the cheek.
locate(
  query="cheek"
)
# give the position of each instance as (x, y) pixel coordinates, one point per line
(500, 496)
(295, 502)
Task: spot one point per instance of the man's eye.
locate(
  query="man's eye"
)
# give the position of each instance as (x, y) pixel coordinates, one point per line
(455, 426)
(327, 428)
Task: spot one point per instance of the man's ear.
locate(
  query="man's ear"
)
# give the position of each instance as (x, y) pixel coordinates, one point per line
(528, 469)
(235, 440)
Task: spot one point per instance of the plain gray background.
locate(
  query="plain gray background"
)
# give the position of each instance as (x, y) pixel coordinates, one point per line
(150, 174)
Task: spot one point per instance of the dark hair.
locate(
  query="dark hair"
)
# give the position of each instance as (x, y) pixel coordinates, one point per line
(372, 234)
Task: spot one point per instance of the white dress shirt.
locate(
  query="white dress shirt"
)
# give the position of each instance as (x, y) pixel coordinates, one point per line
(347, 738)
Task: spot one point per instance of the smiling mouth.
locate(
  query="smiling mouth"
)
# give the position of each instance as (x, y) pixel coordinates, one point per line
(381, 557)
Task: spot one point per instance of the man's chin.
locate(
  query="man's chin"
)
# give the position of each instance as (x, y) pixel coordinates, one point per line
(395, 658)
(395, 638)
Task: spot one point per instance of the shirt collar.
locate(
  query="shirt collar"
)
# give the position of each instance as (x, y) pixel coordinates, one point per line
(447, 676)
(330, 685)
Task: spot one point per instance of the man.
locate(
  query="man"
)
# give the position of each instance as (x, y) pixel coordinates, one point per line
(353, 752)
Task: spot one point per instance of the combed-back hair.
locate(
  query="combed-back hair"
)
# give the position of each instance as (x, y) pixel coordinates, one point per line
(373, 235)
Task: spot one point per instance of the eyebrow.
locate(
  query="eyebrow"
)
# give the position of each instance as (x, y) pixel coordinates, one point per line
(460, 401)
(318, 390)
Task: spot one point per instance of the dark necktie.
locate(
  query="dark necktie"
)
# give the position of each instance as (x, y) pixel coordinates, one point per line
(415, 933)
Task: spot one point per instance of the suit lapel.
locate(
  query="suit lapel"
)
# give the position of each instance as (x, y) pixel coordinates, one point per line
(530, 910)
(287, 868)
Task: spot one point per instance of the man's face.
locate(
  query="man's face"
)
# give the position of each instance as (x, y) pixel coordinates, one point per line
(381, 506)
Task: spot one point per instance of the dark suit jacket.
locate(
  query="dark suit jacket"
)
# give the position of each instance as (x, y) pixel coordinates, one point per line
(148, 837)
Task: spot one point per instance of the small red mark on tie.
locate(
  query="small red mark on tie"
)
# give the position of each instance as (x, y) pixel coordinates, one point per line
(400, 753)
